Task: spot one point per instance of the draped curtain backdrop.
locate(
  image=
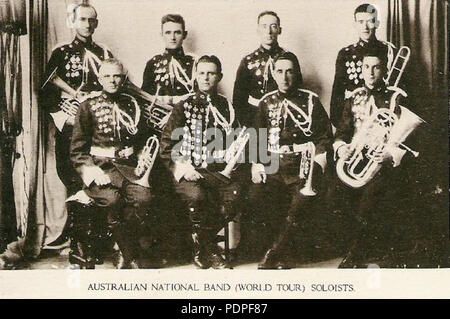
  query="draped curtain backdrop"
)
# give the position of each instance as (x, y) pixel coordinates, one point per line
(422, 26)
(12, 26)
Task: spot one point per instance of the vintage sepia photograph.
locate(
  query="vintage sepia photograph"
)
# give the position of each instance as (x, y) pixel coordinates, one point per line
(243, 135)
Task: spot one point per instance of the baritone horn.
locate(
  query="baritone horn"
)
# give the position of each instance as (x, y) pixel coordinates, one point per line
(308, 153)
(156, 113)
(384, 129)
(146, 161)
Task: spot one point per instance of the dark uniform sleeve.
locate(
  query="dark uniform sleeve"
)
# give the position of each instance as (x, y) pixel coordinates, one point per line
(49, 96)
(259, 122)
(300, 76)
(148, 81)
(321, 128)
(176, 120)
(241, 93)
(82, 138)
(338, 92)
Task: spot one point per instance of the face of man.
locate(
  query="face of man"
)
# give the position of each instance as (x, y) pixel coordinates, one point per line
(173, 35)
(208, 77)
(284, 75)
(85, 22)
(111, 77)
(372, 71)
(268, 30)
(366, 24)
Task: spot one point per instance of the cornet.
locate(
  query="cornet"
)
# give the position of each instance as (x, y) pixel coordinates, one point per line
(146, 161)
(308, 152)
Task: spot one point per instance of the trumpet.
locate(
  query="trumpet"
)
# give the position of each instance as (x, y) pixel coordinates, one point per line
(308, 152)
(234, 152)
(146, 161)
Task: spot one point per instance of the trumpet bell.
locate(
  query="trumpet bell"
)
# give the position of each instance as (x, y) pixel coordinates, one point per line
(146, 161)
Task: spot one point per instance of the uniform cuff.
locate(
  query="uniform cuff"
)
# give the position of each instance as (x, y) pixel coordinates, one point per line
(396, 153)
(60, 119)
(321, 159)
(88, 174)
(336, 145)
(180, 169)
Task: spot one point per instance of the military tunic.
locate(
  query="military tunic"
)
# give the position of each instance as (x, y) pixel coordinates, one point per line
(77, 64)
(169, 75)
(294, 118)
(196, 121)
(253, 80)
(108, 133)
(348, 74)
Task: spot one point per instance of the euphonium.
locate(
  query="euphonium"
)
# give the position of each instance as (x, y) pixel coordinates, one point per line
(146, 161)
(156, 113)
(308, 152)
(383, 129)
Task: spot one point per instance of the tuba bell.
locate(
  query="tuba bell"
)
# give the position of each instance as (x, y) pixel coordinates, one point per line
(146, 161)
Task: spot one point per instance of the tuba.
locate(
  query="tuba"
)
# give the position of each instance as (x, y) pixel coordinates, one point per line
(308, 152)
(146, 161)
(382, 130)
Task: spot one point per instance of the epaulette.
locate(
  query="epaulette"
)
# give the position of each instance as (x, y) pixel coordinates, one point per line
(156, 57)
(94, 94)
(309, 92)
(387, 43)
(396, 89)
(61, 46)
(267, 95)
(356, 91)
(104, 47)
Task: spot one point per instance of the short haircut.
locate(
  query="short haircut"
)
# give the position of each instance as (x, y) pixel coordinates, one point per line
(176, 18)
(84, 4)
(366, 8)
(379, 53)
(269, 13)
(289, 56)
(113, 61)
(211, 59)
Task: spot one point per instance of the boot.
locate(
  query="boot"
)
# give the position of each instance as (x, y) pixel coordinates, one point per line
(81, 230)
(276, 255)
(201, 259)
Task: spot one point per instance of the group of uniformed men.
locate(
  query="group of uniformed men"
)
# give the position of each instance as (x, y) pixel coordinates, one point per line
(102, 128)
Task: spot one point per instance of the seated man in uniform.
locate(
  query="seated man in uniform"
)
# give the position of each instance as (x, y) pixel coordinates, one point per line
(108, 135)
(368, 153)
(293, 119)
(186, 152)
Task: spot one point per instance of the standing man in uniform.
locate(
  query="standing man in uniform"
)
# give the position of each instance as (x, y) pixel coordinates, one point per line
(186, 151)
(254, 77)
(348, 74)
(72, 73)
(108, 136)
(168, 76)
(292, 117)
